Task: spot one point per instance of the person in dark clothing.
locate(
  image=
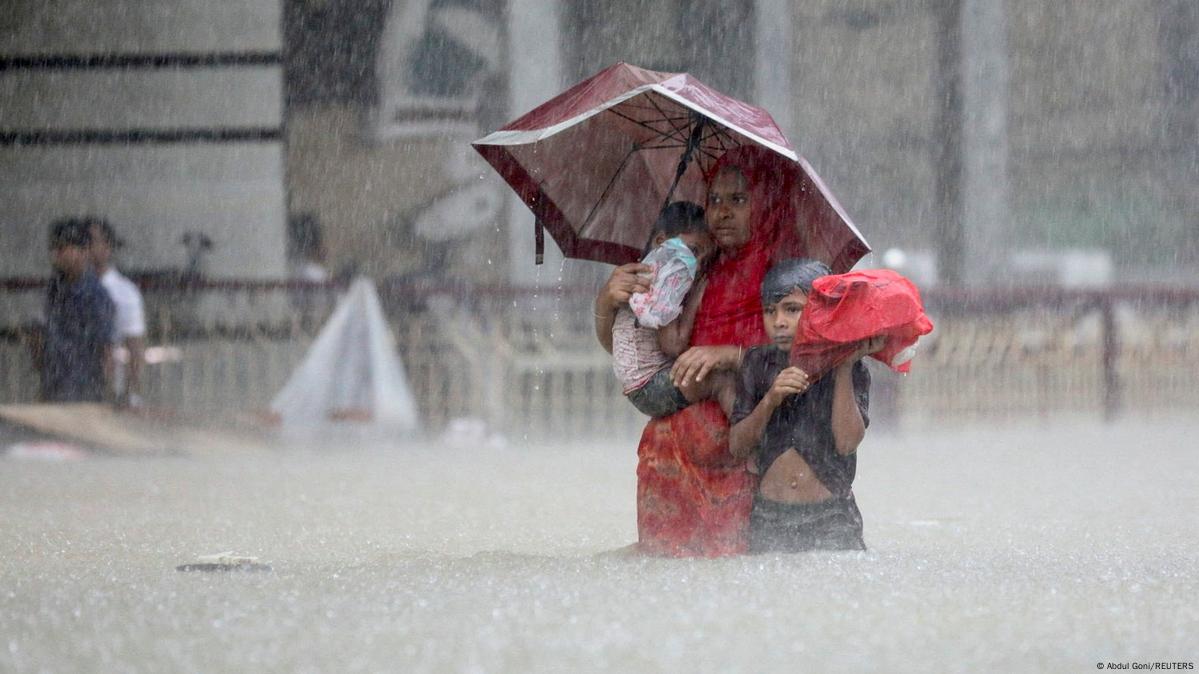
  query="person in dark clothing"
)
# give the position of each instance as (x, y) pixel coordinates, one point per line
(79, 320)
(802, 434)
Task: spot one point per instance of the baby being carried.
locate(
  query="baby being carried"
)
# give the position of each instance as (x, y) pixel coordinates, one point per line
(655, 326)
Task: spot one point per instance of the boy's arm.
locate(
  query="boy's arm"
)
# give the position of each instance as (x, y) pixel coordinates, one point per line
(103, 324)
(675, 337)
(849, 425)
(132, 395)
(109, 367)
(35, 340)
(136, 346)
(745, 434)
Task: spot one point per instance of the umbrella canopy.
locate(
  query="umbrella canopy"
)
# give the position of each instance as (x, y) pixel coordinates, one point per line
(596, 163)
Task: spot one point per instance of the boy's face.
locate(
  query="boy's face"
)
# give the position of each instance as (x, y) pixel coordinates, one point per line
(69, 259)
(101, 249)
(782, 318)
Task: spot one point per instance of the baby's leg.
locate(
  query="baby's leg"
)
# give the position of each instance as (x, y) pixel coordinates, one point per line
(658, 397)
(720, 386)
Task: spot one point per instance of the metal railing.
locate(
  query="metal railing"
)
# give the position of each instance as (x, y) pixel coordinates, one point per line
(1043, 352)
(532, 368)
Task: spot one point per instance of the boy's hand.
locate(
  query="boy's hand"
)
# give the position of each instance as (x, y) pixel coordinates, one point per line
(869, 346)
(790, 381)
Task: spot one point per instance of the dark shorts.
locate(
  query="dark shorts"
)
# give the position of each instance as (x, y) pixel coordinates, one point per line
(659, 397)
(835, 524)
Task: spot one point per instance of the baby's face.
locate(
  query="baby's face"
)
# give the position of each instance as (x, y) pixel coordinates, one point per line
(700, 243)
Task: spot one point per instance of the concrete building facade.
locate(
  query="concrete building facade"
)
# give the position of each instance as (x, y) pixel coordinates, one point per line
(383, 96)
(1098, 118)
(163, 116)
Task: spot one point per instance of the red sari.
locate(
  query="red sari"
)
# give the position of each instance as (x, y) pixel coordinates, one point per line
(693, 497)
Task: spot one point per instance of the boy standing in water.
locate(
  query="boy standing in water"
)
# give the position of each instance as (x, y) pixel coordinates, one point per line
(802, 434)
(129, 330)
(75, 354)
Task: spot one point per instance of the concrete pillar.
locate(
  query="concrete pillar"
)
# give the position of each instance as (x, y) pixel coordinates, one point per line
(984, 138)
(772, 61)
(535, 72)
(947, 156)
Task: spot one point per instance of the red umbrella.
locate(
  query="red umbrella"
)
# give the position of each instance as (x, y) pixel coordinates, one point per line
(596, 163)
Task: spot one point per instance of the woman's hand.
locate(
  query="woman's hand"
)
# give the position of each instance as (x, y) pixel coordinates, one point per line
(698, 361)
(624, 281)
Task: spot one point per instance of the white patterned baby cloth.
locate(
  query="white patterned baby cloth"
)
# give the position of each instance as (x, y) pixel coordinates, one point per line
(674, 267)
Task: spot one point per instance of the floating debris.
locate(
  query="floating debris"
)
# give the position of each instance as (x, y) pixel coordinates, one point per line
(47, 450)
(224, 561)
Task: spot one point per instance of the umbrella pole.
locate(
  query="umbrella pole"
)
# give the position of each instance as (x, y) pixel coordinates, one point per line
(693, 142)
(539, 241)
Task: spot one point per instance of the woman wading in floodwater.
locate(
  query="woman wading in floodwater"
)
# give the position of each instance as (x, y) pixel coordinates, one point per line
(693, 496)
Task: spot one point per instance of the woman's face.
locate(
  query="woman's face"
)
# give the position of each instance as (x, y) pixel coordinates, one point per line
(727, 212)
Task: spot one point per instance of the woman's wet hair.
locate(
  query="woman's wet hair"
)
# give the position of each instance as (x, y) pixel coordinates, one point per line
(680, 217)
(786, 276)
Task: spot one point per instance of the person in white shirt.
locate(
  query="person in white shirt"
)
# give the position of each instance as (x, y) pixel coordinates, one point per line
(129, 333)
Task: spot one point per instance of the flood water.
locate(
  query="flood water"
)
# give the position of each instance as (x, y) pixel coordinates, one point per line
(1027, 548)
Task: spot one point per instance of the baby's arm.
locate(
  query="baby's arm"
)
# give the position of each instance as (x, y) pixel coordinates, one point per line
(675, 337)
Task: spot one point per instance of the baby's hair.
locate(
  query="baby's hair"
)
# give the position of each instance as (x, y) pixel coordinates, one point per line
(680, 217)
(786, 276)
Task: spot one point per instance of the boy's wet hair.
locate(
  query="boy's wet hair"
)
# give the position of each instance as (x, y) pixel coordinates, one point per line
(106, 229)
(788, 275)
(680, 217)
(70, 232)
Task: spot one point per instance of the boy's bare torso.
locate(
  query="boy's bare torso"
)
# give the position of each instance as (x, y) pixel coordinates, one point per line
(790, 480)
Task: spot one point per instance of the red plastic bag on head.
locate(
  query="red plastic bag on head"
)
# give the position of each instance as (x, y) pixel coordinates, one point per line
(844, 309)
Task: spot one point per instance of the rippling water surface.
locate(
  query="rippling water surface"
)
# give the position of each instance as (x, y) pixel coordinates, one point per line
(1047, 548)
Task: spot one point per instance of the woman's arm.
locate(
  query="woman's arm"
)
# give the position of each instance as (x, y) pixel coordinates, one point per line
(624, 281)
(848, 426)
(675, 337)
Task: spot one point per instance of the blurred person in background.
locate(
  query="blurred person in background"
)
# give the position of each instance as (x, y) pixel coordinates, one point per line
(306, 248)
(76, 351)
(129, 329)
